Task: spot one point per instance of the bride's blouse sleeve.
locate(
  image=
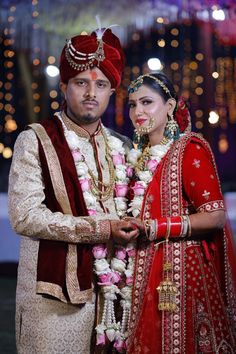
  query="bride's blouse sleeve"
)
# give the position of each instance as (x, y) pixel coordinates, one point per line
(200, 178)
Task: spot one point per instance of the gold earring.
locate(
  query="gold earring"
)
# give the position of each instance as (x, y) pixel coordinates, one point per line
(171, 129)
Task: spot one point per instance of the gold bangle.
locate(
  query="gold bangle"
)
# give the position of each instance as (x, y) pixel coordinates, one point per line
(147, 227)
(167, 228)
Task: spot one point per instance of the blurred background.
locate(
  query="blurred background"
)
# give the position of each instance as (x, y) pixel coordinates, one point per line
(193, 42)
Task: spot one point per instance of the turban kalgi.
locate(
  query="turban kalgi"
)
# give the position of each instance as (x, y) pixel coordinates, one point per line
(86, 51)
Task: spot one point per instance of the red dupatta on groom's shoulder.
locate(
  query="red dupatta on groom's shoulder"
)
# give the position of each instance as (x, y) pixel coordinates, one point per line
(64, 270)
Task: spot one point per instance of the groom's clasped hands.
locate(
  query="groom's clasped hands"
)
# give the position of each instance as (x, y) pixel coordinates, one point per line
(126, 230)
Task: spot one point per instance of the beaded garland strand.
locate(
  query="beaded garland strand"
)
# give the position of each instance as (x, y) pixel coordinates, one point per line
(115, 276)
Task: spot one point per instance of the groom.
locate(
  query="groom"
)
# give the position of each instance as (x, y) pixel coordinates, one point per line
(58, 217)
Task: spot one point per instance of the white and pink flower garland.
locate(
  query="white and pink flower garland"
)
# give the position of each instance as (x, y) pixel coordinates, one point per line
(157, 152)
(115, 276)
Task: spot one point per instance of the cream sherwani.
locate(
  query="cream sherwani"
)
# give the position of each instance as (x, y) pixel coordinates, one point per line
(43, 325)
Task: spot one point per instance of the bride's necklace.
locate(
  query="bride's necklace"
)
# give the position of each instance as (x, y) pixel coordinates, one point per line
(145, 164)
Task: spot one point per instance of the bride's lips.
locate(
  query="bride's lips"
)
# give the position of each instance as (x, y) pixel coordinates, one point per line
(141, 121)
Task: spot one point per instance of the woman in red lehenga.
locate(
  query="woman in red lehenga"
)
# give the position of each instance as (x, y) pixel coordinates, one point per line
(184, 285)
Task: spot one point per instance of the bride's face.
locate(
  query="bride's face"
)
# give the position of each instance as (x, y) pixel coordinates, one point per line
(146, 105)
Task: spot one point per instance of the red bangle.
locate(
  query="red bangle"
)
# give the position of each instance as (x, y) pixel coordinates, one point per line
(169, 227)
(176, 226)
(161, 227)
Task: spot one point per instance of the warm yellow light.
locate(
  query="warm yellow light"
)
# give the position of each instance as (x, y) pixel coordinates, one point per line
(10, 125)
(53, 93)
(84, 33)
(36, 96)
(223, 145)
(199, 113)
(34, 85)
(8, 64)
(51, 59)
(199, 124)
(55, 105)
(7, 153)
(36, 61)
(199, 79)
(174, 31)
(199, 56)
(174, 43)
(35, 14)
(11, 53)
(215, 75)
(1, 148)
(193, 65)
(10, 76)
(161, 43)
(8, 96)
(199, 91)
(174, 66)
(8, 107)
(160, 20)
(213, 117)
(36, 109)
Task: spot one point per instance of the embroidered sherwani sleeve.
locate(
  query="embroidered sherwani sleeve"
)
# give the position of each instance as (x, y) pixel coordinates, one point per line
(200, 179)
(29, 215)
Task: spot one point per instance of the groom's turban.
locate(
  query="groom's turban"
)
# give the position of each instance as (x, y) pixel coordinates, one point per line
(87, 51)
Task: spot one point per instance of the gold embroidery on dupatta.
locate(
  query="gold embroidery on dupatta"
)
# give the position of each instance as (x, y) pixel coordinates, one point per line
(54, 290)
(73, 288)
(173, 324)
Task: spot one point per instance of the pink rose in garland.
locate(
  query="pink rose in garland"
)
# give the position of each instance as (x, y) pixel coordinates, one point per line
(182, 115)
(99, 251)
(152, 165)
(118, 159)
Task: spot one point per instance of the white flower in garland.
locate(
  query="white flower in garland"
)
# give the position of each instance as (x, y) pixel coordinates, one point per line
(116, 145)
(120, 268)
(133, 156)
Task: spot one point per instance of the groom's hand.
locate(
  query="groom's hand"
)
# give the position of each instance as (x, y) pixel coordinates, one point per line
(136, 223)
(123, 231)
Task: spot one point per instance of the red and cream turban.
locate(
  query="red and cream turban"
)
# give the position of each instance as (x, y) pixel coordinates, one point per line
(86, 51)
